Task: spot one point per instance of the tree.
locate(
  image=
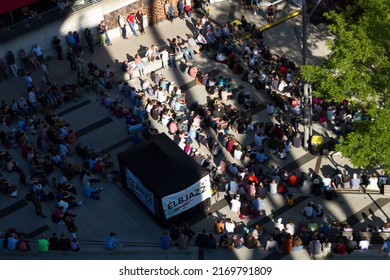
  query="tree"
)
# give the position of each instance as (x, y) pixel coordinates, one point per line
(358, 70)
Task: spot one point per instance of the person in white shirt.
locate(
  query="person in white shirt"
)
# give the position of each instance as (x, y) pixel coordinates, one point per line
(355, 182)
(290, 227)
(271, 244)
(273, 187)
(279, 224)
(308, 211)
(235, 204)
(364, 244)
(373, 183)
(229, 226)
(165, 58)
(237, 154)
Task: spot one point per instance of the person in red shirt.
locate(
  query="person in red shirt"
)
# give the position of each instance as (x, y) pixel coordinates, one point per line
(340, 247)
(293, 180)
(278, 132)
(252, 178)
(131, 21)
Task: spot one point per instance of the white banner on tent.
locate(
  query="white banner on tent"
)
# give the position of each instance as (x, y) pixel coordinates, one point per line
(176, 203)
(146, 196)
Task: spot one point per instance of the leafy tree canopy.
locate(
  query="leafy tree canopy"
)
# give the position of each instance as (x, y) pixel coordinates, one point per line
(358, 70)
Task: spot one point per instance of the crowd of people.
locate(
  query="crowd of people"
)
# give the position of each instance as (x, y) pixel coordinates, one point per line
(49, 144)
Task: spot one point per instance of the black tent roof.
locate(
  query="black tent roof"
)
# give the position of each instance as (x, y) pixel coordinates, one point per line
(162, 166)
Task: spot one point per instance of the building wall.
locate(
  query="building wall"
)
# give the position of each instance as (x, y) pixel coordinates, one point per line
(87, 18)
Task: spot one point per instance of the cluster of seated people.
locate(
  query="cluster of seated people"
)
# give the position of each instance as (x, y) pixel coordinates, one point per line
(14, 240)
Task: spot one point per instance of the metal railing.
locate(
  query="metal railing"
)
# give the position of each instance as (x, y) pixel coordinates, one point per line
(45, 18)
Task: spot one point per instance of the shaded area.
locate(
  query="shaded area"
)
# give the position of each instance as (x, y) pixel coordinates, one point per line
(275, 256)
(114, 146)
(93, 126)
(371, 208)
(37, 232)
(280, 211)
(74, 108)
(12, 208)
(39, 20)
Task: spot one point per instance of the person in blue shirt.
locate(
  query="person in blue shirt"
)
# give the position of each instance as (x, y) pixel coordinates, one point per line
(112, 243)
(261, 157)
(165, 241)
(12, 242)
(386, 246)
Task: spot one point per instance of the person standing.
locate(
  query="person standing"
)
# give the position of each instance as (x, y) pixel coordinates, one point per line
(169, 10)
(139, 64)
(270, 13)
(23, 57)
(37, 204)
(103, 36)
(3, 68)
(165, 58)
(12, 64)
(90, 40)
(180, 8)
(29, 82)
(139, 19)
(38, 53)
(122, 25)
(57, 47)
(131, 22)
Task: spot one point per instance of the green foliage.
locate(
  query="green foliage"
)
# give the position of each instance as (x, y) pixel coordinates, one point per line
(359, 62)
(368, 145)
(358, 69)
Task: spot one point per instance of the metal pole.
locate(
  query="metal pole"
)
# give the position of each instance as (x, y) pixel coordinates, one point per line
(306, 106)
(304, 31)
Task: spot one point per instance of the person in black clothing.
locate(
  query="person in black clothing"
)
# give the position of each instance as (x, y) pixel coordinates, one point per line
(90, 41)
(139, 19)
(202, 239)
(58, 48)
(63, 243)
(53, 241)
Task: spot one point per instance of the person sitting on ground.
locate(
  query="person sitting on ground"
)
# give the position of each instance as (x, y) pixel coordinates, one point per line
(236, 241)
(111, 242)
(251, 242)
(272, 244)
(63, 243)
(308, 211)
(219, 226)
(182, 241)
(202, 239)
(364, 244)
(373, 183)
(229, 226)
